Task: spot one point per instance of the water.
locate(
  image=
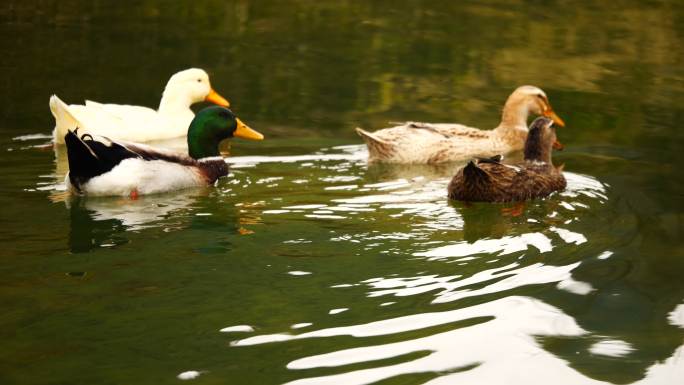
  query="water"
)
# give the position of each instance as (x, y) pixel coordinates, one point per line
(308, 266)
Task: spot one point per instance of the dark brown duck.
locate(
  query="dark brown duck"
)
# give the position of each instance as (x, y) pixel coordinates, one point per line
(488, 180)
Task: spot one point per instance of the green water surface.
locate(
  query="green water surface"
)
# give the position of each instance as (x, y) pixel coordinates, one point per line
(324, 269)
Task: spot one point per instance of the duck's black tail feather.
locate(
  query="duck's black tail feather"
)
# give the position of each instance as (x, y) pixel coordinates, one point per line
(474, 174)
(89, 158)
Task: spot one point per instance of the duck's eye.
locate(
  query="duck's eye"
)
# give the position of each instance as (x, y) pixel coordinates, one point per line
(199, 80)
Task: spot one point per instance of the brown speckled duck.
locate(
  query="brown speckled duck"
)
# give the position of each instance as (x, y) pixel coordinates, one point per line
(488, 180)
(435, 143)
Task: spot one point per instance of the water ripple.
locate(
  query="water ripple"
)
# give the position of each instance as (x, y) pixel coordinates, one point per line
(513, 322)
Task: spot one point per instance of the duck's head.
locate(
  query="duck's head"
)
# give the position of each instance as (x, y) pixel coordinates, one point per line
(211, 126)
(191, 86)
(529, 99)
(541, 139)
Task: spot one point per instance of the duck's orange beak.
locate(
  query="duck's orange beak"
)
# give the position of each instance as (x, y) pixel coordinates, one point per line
(215, 98)
(556, 119)
(243, 131)
(557, 145)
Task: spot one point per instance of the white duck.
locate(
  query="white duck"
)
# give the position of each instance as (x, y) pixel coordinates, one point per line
(135, 123)
(430, 143)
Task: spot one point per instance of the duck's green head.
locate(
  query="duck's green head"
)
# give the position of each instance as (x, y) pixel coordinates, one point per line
(211, 126)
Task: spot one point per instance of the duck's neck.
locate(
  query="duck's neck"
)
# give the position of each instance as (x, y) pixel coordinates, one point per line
(535, 150)
(203, 142)
(515, 113)
(174, 103)
(513, 126)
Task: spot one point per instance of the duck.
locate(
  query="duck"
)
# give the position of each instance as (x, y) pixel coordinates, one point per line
(137, 123)
(489, 180)
(100, 166)
(430, 143)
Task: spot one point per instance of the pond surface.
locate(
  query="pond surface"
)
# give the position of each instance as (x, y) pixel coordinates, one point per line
(309, 266)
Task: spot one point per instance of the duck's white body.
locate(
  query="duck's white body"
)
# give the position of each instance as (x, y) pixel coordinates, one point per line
(136, 123)
(429, 143)
(142, 176)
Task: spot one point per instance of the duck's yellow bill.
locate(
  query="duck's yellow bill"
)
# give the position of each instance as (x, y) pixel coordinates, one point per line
(215, 98)
(556, 119)
(244, 132)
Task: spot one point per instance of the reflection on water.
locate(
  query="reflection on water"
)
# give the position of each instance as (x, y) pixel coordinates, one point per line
(498, 280)
(139, 213)
(514, 322)
(464, 354)
(86, 233)
(101, 222)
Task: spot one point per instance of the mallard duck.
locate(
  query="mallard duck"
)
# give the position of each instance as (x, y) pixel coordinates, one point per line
(488, 180)
(135, 123)
(100, 166)
(435, 143)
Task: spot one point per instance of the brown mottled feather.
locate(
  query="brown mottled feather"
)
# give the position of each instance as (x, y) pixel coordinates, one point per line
(493, 182)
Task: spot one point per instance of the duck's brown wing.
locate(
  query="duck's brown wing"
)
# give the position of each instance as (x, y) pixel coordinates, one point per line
(536, 182)
(483, 182)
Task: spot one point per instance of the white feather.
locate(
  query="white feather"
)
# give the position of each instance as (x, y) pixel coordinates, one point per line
(143, 176)
(136, 123)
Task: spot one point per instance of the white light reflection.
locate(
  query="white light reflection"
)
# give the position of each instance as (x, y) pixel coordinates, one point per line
(605, 255)
(502, 246)
(514, 323)
(503, 278)
(575, 287)
(322, 216)
(569, 236)
(190, 375)
(24, 138)
(676, 316)
(297, 272)
(611, 348)
(586, 185)
(237, 329)
(251, 161)
(301, 325)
